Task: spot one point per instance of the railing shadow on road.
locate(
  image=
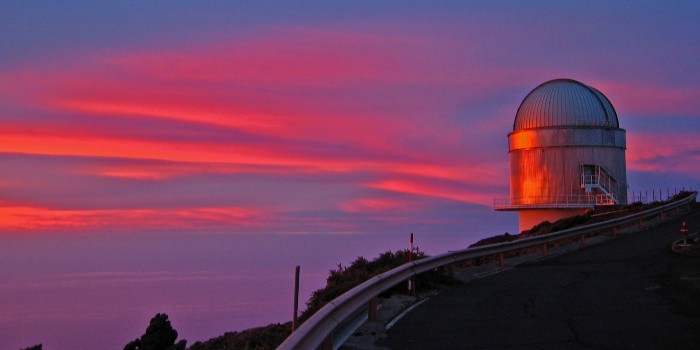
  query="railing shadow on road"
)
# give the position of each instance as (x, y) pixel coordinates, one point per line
(318, 330)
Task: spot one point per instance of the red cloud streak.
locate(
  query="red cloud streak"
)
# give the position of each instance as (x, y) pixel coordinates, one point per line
(25, 218)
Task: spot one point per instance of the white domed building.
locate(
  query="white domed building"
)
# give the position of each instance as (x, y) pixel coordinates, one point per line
(567, 154)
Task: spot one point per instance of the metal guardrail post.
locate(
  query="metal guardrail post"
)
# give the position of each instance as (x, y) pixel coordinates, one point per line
(327, 343)
(372, 313)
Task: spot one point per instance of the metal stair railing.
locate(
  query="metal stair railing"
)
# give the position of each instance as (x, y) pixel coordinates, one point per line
(603, 181)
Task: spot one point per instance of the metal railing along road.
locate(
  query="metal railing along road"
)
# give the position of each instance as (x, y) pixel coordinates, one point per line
(318, 329)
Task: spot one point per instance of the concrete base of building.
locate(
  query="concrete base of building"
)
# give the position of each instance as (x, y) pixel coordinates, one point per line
(531, 217)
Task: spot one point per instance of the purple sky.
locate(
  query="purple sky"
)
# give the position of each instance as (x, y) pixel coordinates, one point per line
(163, 118)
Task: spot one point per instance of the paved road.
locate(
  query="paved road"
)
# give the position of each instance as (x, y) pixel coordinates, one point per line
(627, 293)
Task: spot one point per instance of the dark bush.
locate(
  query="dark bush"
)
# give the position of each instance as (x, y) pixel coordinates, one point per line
(35, 347)
(159, 335)
(343, 279)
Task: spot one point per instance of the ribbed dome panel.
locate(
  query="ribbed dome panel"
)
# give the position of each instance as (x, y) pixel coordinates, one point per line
(565, 102)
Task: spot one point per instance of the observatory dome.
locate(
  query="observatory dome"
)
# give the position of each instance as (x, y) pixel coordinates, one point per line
(565, 103)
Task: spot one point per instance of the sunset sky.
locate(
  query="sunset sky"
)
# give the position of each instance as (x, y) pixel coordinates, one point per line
(298, 118)
(315, 117)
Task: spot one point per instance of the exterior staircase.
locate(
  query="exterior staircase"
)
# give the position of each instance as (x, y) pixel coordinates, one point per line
(595, 178)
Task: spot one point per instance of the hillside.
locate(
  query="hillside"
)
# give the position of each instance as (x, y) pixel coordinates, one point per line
(344, 278)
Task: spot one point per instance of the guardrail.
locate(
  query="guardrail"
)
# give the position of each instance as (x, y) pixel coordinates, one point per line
(318, 330)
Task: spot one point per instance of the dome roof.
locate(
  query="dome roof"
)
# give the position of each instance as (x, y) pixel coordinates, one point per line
(565, 102)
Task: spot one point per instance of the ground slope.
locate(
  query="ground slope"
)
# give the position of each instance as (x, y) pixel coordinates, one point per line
(631, 292)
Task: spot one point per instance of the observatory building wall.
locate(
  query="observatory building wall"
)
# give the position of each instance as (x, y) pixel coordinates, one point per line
(546, 164)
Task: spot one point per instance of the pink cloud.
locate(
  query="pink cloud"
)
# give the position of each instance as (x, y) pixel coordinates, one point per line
(427, 188)
(169, 84)
(25, 218)
(295, 56)
(664, 152)
(379, 205)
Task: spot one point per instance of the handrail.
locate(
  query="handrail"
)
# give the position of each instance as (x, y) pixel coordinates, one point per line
(312, 333)
(587, 200)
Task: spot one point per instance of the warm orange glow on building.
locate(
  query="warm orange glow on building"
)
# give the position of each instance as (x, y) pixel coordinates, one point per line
(522, 140)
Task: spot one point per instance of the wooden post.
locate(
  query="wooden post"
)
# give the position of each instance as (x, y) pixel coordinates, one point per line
(544, 249)
(296, 298)
(501, 260)
(582, 241)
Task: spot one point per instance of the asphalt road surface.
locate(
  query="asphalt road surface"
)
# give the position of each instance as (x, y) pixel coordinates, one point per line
(631, 292)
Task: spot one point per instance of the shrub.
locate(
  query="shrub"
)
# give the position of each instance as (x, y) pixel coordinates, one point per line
(159, 335)
(35, 347)
(343, 279)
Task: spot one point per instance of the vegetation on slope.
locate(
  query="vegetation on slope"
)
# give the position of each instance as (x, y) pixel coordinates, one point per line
(343, 279)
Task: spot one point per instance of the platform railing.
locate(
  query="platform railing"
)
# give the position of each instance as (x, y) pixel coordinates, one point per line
(587, 200)
(318, 330)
